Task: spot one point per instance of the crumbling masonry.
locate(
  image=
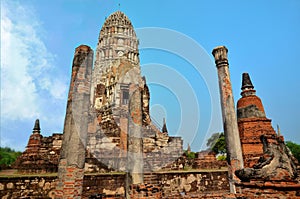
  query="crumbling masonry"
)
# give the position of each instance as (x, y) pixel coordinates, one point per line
(108, 128)
(72, 156)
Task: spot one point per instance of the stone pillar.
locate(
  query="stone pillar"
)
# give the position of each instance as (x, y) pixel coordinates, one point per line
(72, 157)
(135, 147)
(234, 151)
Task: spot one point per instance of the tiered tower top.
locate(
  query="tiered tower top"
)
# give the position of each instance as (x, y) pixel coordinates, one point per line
(118, 37)
(117, 59)
(118, 19)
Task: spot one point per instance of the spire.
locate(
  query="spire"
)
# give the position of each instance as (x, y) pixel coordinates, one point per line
(189, 149)
(164, 128)
(246, 82)
(278, 130)
(249, 106)
(36, 128)
(247, 86)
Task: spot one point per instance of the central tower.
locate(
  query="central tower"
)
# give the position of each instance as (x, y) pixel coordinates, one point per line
(120, 128)
(117, 62)
(116, 76)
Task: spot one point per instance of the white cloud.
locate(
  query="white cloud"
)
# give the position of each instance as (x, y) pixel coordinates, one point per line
(18, 92)
(58, 89)
(26, 64)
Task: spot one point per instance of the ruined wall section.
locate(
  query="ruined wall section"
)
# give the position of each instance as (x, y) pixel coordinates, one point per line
(160, 149)
(28, 187)
(112, 185)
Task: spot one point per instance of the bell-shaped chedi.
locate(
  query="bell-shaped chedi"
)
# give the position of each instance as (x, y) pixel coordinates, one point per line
(249, 106)
(264, 152)
(41, 154)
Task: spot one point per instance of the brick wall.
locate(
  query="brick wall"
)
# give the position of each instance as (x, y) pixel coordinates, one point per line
(193, 182)
(112, 185)
(27, 187)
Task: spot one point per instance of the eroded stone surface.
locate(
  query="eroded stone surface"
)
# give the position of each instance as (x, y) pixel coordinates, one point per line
(72, 157)
(276, 163)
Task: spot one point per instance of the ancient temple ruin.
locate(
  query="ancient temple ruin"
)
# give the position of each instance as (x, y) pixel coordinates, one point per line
(110, 147)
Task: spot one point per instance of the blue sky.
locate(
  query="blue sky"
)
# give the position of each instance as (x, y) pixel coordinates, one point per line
(38, 39)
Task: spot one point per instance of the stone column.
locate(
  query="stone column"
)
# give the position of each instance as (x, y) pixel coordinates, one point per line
(135, 147)
(72, 156)
(233, 144)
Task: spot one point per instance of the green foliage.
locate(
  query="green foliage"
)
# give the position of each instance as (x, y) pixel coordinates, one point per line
(221, 157)
(295, 149)
(212, 140)
(217, 143)
(220, 145)
(190, 155)
(8, 156)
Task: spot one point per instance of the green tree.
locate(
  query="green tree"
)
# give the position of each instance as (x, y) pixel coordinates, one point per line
(220, 145)
(190, 155)
(217, 143)
(295, 149)
(221, 157)
(212, 140)
(8, 156)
